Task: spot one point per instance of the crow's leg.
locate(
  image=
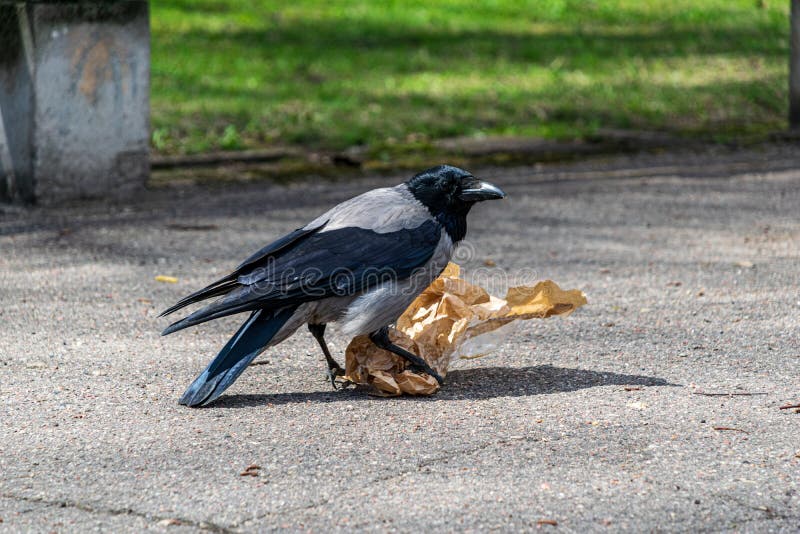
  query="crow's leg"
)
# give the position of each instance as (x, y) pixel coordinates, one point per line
(334, 369)
(381, 340)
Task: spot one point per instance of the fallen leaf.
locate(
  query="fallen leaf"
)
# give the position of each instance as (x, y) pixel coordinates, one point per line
(250, 471)
(166, 279)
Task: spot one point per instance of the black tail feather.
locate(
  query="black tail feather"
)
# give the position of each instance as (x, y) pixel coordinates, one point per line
(236, 355)
(209, 313)
(220, 287)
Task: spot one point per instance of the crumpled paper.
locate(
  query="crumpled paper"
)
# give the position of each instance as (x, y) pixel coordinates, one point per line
(451, 319)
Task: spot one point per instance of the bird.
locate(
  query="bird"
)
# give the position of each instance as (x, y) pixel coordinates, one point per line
(360, 265)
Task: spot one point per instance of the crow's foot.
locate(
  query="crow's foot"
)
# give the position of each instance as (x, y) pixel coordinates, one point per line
(334, 373)
(427, 369)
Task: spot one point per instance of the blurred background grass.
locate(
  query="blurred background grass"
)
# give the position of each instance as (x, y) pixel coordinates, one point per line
(332, 74)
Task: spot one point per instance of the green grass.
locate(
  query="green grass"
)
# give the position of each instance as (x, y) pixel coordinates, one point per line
(330, 74)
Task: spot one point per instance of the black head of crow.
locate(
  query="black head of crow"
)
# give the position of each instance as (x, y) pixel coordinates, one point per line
(449, 193)
(360, 264)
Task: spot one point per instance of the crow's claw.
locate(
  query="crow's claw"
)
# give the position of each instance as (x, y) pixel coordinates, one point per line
(334, 373)
(381, 339)
(345, 383)
(427, 369)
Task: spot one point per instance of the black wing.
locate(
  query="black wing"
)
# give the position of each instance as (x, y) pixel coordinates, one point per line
(320, 265)
(226, 284)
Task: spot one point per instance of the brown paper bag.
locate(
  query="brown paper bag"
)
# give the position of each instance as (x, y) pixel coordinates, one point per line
(448, 314)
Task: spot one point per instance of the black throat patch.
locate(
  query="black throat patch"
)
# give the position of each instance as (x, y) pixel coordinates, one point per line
(455, 225)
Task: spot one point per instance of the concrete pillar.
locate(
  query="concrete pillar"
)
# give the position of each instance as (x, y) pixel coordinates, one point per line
(74, 99)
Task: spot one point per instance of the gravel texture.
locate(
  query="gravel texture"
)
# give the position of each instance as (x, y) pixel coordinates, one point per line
(597, 422)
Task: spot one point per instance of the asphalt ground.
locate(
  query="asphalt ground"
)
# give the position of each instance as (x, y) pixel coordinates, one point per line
(656, 407)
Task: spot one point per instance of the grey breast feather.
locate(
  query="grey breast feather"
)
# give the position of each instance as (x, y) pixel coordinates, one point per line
(383, 304)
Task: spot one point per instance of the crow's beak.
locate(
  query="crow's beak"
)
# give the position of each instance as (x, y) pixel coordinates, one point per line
(478, 191)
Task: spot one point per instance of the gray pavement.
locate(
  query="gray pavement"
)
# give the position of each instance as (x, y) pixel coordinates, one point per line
(595, 422)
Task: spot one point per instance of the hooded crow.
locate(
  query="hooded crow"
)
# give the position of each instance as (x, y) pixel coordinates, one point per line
(360, 264)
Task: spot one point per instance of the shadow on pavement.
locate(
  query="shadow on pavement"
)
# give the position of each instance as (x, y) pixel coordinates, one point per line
(480, 383)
